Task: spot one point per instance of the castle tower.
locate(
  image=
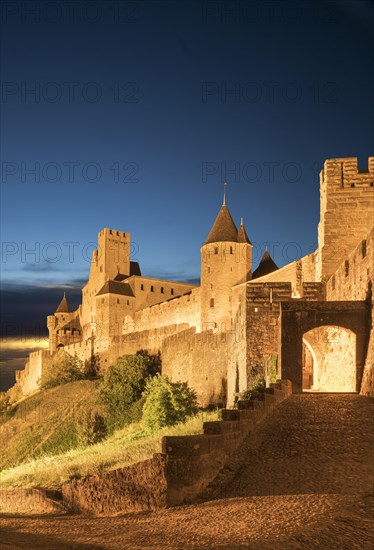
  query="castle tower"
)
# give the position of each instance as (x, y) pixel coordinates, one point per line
(226, 260)
(61, 315)
(111, 259)
(113, 254)
(63, 307)
(346, 211)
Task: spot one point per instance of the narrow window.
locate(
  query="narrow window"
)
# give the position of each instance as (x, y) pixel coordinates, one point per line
(117, 300)
(212, 302)
(162, 290)
(128, 302)
(346, 268)
(216, 250)
(230, 249)
(363, 249)
(141, 287)
(172, 291)
(152, 288)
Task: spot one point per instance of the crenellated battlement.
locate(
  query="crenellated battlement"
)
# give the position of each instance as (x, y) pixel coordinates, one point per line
(113, 233)
(343, 173)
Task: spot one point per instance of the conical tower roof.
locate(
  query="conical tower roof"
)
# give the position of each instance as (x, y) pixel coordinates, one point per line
(266, 266)
(64, 306)
(242, 234)
(224, 228)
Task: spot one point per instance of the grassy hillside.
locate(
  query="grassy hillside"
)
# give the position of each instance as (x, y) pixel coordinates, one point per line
(44, 423)
(39, 446)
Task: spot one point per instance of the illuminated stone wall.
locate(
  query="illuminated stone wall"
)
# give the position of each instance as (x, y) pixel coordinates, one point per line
(353, 280)
(346, 211)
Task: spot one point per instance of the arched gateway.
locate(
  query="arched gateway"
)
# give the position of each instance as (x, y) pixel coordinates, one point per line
(304, 349)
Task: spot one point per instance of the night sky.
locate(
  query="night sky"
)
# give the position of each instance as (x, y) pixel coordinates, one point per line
(130, 115)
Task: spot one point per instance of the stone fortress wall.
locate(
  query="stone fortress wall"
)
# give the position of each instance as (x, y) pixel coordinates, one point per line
(218, 354)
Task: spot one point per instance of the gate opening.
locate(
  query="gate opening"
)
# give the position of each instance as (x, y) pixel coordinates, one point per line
(329, 360)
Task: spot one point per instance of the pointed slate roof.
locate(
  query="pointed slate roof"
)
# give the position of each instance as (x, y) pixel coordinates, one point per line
(224, 228)
(63, 306)
(266, 266)
(242, 234)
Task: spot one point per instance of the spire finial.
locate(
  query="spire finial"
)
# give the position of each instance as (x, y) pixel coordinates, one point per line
(225, 184)
(241, 221)
(266, 247)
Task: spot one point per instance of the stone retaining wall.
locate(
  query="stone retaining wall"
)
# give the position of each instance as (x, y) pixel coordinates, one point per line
(186, 466)
(30, 501)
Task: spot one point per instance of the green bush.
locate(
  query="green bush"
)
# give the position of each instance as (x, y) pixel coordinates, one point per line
(91, 367)
(90, 427)
(254, 389)
(273, 369)
(167, 403)
(63, 369)
(123, 385)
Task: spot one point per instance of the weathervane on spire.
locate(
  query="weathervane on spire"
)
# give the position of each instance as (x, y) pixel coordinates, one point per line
(225, 184)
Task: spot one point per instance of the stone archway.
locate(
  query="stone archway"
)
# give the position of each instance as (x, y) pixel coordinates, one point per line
(300, 316)
(329, 360)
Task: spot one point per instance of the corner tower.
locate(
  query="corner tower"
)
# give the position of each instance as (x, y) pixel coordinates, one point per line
(346, 211)
(226, 260)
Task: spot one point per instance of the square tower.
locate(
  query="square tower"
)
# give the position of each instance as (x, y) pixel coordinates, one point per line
(346, 211)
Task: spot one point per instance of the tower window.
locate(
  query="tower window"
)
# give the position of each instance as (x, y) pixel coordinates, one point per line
(142, 287)
(212, 302)
(117, 300)
(128, 302)
(216, 250)
(363, 248)
(230, 249)
(162, 290)
(172, 291)
(346, 268)
(152, 288)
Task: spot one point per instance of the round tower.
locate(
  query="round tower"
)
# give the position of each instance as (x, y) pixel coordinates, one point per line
(226, 260)
(56, 321)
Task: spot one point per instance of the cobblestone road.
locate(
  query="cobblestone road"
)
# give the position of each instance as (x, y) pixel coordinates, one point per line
(304, 480)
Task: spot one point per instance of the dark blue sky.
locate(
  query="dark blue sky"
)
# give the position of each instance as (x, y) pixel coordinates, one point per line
(140, 110)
